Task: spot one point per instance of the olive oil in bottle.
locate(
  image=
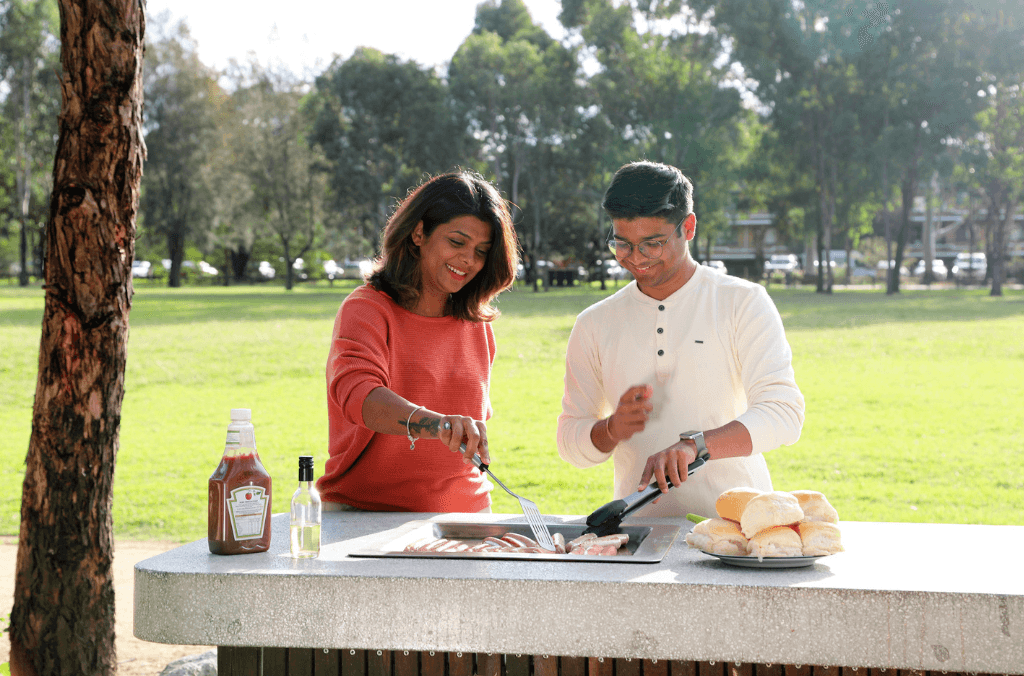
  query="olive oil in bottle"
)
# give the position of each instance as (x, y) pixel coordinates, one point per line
(305, 513)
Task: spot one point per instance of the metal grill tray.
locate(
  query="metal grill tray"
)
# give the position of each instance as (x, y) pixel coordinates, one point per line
(647, 544)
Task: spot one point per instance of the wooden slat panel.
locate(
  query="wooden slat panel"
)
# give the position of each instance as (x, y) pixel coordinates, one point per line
(300, 662)
(353, 663)
(517, 665)
(798, 670)
(712, 669)
(407, 663)
(488, 664)
(626, 667)
(771, 670)
(545, 665)
(378, 663)
(432, 663)
(325, 663)
(572, 666)
(460, 664)
(275, 660)
(235, 661)
(599, 666)
(682, 668)
(655, 667)
(743, 669)
(819, 670)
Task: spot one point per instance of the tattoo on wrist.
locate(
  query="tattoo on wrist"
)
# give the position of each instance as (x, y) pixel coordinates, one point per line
(425, 426)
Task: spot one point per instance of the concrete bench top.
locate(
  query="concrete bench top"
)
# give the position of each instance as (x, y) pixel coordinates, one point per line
(904, 596)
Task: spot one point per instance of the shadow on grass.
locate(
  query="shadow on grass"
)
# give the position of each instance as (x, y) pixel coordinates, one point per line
(800, 308)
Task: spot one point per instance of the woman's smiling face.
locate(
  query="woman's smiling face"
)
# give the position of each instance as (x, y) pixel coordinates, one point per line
(450, 257)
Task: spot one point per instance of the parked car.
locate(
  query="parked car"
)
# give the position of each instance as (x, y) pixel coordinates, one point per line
(613, 270)
(970, 267)
(266, 270)
(883, 267)
(938, 269)
(717, 266)
(356, 269)
(782, 263)
(207, 269)
(143, 269)
(861, 271)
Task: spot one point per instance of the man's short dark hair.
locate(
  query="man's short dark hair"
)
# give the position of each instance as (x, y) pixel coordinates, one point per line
(641, 189)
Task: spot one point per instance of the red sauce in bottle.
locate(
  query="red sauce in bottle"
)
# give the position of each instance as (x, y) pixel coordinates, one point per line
(240, 494)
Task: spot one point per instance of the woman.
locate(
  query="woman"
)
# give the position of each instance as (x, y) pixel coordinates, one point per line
(408, 375)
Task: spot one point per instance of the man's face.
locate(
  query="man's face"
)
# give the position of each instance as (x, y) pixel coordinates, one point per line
(657, 276)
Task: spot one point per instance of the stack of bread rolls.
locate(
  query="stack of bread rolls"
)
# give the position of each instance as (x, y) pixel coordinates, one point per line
(769, 524)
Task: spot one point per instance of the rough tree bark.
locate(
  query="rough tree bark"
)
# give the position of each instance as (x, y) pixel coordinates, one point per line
(62, 621)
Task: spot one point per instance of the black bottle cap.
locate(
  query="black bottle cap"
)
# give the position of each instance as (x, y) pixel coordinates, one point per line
(305, 468)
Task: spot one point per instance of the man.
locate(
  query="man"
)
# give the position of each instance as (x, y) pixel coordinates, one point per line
(683, 352)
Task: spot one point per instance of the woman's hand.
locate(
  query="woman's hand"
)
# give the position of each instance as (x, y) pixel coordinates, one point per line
(456, 430)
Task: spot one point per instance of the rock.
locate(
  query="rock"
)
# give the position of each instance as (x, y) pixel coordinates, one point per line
(204, 664)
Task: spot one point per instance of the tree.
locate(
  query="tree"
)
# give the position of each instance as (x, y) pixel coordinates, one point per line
(29, 60)
(62, 620)
(382, 124)
(519, 93)
(286, 175)
(919, 73)
(182, 99)
(665, 92)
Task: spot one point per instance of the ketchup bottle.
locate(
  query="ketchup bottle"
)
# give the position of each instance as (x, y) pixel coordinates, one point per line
(239, 510)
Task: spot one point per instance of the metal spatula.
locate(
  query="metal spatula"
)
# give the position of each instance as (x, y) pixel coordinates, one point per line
(530, 511)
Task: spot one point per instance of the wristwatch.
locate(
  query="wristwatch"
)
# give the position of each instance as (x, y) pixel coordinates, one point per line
(698, 440)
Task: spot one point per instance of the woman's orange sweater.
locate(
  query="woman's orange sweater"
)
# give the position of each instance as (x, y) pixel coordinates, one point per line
(441, 363)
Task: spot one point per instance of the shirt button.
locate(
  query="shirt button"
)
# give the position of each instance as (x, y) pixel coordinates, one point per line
(660, 330)
(661, 353)
(661, 307)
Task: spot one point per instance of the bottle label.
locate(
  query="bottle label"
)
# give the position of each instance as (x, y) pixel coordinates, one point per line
(247, 507)
(234, 438)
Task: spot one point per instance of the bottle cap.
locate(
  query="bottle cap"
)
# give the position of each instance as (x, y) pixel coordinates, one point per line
(241, 414)
(305, 468)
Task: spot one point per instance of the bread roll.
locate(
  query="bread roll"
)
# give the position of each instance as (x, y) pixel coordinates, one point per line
(774, 542)
(776, 508)
(730, 504)
(816, 506)
(718, 536)
(819, 538)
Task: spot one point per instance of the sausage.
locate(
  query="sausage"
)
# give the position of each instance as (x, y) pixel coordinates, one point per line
(500, 544)
(519, 540)
(435, 545)
(617, 539)
(416, 545)
(580, 540)
(559, 541)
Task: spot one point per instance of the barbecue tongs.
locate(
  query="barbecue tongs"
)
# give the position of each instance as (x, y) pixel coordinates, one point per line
(607, 518)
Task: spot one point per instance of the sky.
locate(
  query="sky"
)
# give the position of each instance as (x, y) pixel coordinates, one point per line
(304, 36)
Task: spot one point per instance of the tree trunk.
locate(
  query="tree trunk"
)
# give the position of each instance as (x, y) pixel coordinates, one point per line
(1003, 224)
(24, 180)
(62, 620)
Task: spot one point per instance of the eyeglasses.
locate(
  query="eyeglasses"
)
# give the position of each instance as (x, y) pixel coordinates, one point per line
(649, 248)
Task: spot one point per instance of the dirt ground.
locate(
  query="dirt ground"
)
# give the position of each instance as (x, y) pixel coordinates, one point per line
(134, 657)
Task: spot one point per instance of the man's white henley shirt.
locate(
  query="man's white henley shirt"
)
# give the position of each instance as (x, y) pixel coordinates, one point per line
(714, 351)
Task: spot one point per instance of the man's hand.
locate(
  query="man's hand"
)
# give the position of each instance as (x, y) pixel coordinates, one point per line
(631, 414)
(669, 465)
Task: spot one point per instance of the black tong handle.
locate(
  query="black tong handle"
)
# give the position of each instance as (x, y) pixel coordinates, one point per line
(606, 519)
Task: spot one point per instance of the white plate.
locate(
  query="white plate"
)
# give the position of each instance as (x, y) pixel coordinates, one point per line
(766, 562)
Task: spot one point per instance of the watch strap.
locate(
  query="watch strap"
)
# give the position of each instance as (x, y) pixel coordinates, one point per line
(697, 437)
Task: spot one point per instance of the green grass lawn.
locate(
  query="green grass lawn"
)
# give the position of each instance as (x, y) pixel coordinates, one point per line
(913, 402)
